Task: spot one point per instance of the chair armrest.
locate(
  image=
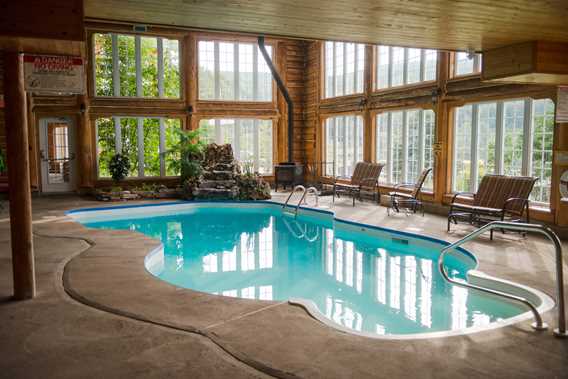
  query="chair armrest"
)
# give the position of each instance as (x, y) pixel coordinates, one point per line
(404, 185)
(512, 200)
(462, 194)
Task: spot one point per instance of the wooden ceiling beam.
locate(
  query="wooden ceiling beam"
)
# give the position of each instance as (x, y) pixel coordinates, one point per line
(530, 62)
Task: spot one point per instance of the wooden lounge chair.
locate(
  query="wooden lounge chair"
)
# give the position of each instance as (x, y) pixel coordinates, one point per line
(365, 178)
(409, 200)
(499, 197)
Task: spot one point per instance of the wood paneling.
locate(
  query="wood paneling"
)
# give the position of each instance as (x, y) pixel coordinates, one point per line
(312, 101)
(441, 24)
(53, 19)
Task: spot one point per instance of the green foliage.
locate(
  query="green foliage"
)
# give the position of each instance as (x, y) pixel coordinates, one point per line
(127, 66)
(189, 153)
(2, 162)
(119, 167)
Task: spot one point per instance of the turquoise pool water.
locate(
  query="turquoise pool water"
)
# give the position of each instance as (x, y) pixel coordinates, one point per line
(364, 280)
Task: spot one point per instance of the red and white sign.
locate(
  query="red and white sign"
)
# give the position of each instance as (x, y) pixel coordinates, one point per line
(54, 74)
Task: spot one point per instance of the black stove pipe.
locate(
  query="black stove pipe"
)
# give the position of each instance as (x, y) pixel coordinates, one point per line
(284, 92)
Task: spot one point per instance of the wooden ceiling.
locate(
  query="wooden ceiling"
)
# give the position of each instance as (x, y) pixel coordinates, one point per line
(441, 24)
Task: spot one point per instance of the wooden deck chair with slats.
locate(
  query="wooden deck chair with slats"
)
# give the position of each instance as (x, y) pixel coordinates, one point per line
(499, 197)
(365, 178)
(409, 199)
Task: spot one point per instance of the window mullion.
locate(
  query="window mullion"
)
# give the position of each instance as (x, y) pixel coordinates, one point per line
(527, 138)
(218, 131)
(344, 69)
(389, 147)
(355, 67)
(162, 147)
(140, 144)
(117, 136)
(344, 127)
(333, 92)
(422, 65)
(160, 44)
(138, 63)
(217, 70)
(355, 140)
(404, 146)
(335, 142)
(236, 139)
(255, 73)
(499, 138)
(421, 144)
(115, 65)
(236, 71)
(389, 81)
(256, 145)
(405, 70)
(474, 147)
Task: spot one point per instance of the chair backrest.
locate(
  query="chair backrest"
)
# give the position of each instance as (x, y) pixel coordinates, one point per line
(494, 190)
(366, 171)
(420, 182)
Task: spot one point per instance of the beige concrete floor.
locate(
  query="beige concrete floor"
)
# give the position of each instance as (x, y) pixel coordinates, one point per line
(121, 322)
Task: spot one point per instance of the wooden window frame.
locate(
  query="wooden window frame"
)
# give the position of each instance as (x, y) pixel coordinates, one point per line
(405, 86)
(237, 104)
(110, 100)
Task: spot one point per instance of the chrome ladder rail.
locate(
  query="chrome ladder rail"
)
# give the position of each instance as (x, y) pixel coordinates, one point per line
(296, 188)
(542, 229)
(305, 192)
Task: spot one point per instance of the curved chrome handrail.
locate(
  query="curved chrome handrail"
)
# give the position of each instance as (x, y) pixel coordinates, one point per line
(542, 229)
(296, 188)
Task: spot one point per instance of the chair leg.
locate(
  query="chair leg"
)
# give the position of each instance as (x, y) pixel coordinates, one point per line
(333, 195)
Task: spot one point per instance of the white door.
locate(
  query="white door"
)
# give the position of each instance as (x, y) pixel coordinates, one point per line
(57, 154)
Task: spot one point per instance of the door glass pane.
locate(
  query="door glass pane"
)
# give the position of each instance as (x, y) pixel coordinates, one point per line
(59, 164)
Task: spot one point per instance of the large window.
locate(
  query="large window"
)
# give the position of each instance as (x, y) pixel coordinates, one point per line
(251, 140)
(344, 68)
(231, 71)
(343, 144)
(512, 137)
(404, 145)
(398, 66)
(466, 63)
(136, 66)
(144, 140)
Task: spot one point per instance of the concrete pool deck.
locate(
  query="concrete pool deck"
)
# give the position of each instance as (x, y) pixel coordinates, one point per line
(121, 321)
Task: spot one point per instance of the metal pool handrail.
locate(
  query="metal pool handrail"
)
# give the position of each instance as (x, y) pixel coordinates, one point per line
(542, 229)
(304, 193)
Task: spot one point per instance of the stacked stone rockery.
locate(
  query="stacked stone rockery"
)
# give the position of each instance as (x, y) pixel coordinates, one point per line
(218, 180)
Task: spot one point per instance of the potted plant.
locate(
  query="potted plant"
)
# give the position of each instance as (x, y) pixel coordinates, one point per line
(119, 166)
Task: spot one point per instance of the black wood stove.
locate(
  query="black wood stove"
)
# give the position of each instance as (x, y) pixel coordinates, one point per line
(288, 174)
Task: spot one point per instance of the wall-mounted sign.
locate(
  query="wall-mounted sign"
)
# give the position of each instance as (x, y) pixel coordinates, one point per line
(54, 74)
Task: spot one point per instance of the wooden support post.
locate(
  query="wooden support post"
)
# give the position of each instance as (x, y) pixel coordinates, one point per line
(85, 151)
(19, 177)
